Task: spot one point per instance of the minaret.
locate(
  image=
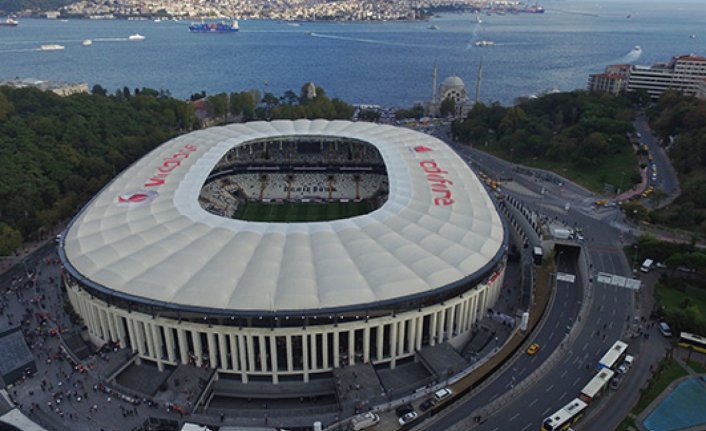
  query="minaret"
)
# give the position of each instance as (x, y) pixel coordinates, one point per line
(479, 78)
(433, 86)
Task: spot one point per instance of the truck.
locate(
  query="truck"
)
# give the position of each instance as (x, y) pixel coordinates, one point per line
(647, 265)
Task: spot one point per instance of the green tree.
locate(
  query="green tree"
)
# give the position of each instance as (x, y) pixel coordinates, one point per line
(447, 107)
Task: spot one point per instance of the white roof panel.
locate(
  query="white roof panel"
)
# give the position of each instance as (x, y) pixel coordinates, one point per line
(146, 235)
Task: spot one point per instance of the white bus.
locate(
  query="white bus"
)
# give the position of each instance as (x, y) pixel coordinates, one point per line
(614, 356)
(564, 418)
(596, 386)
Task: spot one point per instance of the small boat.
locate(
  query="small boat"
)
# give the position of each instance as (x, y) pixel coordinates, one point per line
(637, 49)
(136, 37)
(692, 36)
(9, 22)
(478, 20)
(52, 47)
(87, 42)
(485, 43)
(433, 27)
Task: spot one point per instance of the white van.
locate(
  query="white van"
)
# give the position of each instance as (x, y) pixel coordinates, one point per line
(364, 420)
(665, 329)
(646, 265)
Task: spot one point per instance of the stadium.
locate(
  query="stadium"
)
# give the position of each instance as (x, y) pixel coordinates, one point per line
(286, 249)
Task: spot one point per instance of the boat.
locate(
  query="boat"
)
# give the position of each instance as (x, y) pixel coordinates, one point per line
(136, 37)
(433, 27)
(478, 20)
(87, 42)
(637, 49)
(52, 47)
(214, 27)
(9, 22)
(692, 36)
(485, 43)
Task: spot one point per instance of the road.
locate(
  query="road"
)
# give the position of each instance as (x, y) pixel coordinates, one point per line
(666, 179)
(611, 312)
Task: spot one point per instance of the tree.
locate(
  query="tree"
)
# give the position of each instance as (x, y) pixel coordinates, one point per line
(98, 90)
(10, 240)
(447, 107)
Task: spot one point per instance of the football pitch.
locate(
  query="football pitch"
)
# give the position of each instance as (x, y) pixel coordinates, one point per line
(292, 212)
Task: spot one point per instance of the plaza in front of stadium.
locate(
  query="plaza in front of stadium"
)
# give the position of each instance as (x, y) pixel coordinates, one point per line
(292, 260)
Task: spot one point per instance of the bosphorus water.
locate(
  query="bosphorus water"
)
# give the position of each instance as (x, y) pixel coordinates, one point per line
(386, 63)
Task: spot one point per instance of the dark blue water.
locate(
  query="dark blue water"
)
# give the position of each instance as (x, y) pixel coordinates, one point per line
(390, 64)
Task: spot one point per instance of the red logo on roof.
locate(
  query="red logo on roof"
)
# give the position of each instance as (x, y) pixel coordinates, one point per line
(422, 149)
(136, 198)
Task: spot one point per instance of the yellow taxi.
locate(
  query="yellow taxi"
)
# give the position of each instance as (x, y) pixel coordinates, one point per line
(532, 349)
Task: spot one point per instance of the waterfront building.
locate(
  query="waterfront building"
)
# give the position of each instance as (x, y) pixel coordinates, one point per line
(682, 73)
(452, 88)
(56, 87)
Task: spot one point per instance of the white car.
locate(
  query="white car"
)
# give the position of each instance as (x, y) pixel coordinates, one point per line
(408, 417)
(442, 394)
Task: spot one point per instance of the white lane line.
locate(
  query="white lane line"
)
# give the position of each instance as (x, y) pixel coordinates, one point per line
(513, 417)
(562, 396)
(526, 426)
(577, 380)
(549, 388)
(544, 413)
(584, 347)
(563, 374)
(534, 401)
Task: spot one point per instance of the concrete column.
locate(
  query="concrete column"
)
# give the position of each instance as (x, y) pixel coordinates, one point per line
(411, 328)
(150, 343)
(110, 316)
(314, 354)
(400, 337)
(366, 344)
(441, 325)
(131, 333)
(433, 329)
(305, 356)
(464, 315)
(183, 346)
(336, 342)
(324, 349)
(393, 345)
(198, 350)
(351, 347)
(157, 342)
(450, 323)
(263, 353)
(243, 362)
(290, 355)
(212, 357)
(223, 350)
(273, 358)
(169, 342)
(234, 354)
(380, 333)
(420, 332)
(140, 333)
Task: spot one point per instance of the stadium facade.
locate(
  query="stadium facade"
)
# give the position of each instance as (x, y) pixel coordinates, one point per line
(146, 266)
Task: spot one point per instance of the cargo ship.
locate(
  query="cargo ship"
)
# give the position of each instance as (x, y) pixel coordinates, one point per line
(214, 27)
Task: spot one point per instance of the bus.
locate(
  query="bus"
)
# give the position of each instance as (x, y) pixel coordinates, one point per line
(614, 356)
(692, 341)
(564, 418)
(596, 386)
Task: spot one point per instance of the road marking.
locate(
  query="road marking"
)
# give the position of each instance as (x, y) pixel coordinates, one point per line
(577, 380)
(549, 388)
(613, 315)
(526, 426)
(610, 325)
(562, 396)
(513, 417)
(534, 401)
(561, 375)
(544, 413)
(584, 347)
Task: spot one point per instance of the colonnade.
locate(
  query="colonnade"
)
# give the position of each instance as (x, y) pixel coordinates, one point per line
(282, 351)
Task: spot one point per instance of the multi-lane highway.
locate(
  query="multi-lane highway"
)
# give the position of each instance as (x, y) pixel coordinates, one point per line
(530, 395)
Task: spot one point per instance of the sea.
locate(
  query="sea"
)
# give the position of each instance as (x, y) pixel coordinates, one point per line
(382, 63)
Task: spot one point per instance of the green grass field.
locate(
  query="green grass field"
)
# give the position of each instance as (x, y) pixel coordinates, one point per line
(290, 212)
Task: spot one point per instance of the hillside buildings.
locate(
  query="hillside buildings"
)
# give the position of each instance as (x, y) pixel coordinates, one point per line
(685, 73)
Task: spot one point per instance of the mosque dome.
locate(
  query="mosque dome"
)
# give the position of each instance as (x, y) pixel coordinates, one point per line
(453, 82)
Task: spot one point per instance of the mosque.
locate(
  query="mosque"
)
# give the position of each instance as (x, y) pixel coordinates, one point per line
(454, 88)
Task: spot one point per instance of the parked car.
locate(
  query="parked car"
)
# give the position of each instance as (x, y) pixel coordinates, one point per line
(426, 404)
(442, 394)
(407, 417)
(404, 409)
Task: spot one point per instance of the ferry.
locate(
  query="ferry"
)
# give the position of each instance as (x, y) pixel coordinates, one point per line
(51, 47)
(637, 49)
(136, 37)
(214, 27)
(433, 27)
(485, 43)
(87, 42)
(9, 22)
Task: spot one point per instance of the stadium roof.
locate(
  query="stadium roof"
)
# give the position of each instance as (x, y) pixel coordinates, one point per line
(145, 236)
